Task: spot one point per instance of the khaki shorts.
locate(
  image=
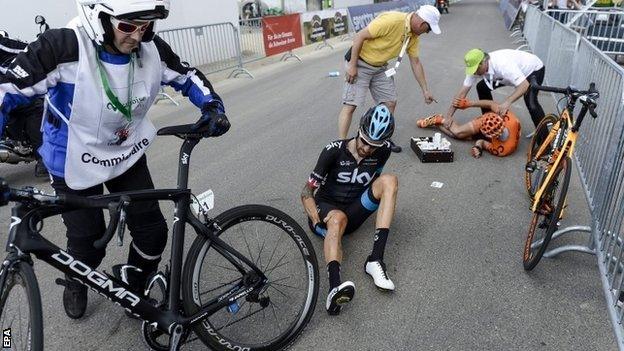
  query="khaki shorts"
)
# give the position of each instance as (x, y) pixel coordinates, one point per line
(370, 78)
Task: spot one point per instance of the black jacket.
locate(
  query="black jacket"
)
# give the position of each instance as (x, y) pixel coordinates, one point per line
(9, 48)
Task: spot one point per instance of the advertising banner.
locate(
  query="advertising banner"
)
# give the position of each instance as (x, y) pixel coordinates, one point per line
(361, 16)
(320, 25)
(281, 33)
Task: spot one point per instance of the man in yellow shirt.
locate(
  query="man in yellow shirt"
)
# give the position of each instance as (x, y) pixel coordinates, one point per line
(385, 38)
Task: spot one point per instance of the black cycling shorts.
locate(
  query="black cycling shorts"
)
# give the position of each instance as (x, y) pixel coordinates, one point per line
(357, 211)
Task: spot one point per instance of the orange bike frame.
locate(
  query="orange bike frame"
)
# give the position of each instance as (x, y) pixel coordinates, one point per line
(566, 149)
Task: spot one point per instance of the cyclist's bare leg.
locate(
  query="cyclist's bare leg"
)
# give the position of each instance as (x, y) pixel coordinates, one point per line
(336, 222)
(458, 131)
(344, 120)
(385, 188)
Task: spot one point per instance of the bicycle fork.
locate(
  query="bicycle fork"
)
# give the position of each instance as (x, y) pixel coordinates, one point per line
(9, 263)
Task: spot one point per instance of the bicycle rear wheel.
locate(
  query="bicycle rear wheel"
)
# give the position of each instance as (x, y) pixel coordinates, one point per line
(533, 179)
(280, 248)
(20, 309)
(545, 220)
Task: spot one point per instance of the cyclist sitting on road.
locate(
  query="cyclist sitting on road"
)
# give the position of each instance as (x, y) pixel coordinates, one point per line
(101, 75)
(349, 188)
(498, 135)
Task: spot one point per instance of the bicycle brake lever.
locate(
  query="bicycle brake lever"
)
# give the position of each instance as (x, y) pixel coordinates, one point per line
(115, 210)
(121, 226)
(592, 112)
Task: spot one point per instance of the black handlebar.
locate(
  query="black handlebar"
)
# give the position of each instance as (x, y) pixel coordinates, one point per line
(75, 201)
(536, 86)
(586, 97)
(593, 113)
(115, 209)
(31, 195)
(568, 91)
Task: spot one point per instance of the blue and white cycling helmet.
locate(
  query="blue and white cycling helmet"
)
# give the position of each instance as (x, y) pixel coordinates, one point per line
(377, 125)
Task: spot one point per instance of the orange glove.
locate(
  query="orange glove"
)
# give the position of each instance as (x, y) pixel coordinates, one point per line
(461, 103)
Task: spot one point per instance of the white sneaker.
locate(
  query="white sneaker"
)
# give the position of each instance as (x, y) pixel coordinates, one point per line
(377, 270)
(339, 296)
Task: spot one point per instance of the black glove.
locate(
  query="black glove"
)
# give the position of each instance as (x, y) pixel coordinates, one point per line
(214, 118)
(320, 229)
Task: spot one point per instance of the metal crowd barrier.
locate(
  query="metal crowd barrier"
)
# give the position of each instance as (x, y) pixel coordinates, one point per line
(604, 28)
(252, 44)
(211, 48)
(559, 57)
(544, 35)
(574, 60)
(531, 25)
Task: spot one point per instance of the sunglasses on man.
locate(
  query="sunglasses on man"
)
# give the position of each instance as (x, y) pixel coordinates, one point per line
(130, 27)
(362, 140)
(428, 27)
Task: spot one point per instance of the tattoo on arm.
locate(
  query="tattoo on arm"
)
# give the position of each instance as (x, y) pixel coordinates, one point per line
(307, 192)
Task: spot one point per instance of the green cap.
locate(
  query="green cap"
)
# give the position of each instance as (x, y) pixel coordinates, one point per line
(473, 58)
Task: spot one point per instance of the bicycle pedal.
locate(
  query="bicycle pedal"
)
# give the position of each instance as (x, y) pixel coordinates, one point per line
(343, 300)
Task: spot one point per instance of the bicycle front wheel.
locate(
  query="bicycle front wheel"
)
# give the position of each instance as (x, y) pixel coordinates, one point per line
(277, 245)
(533, 178)
(20, 309)
(545, 220)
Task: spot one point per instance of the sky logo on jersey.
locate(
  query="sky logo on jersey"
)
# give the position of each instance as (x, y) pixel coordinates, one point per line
(363, 178)
(333, 144)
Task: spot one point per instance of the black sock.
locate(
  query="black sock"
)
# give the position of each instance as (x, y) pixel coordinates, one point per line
(381, 235)
(333, 270)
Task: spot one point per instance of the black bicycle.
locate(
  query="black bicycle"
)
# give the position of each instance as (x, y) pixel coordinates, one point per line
(249, 281)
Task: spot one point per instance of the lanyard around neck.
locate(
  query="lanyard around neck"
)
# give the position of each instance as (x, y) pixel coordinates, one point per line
(406, 39)
(127, 109)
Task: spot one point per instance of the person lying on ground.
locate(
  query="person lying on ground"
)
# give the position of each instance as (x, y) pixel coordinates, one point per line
(498, 135)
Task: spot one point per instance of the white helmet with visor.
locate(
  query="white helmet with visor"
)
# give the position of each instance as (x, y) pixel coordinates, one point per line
(95, 15)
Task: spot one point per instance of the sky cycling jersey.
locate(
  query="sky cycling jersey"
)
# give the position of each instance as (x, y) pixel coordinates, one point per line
(339, 178)
(86, 139)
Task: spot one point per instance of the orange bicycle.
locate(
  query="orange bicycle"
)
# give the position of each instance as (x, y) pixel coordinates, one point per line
(548, 168)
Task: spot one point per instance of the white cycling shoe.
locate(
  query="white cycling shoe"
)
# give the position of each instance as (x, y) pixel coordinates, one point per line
(338, 296)
(377, 270)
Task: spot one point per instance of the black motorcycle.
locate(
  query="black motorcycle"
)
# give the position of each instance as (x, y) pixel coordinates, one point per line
(442, 5)
(21, 135)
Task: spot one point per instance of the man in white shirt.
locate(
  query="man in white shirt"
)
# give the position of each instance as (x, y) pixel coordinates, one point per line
(502, 68)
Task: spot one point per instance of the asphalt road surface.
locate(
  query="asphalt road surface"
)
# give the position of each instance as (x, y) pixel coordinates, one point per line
(454, 252)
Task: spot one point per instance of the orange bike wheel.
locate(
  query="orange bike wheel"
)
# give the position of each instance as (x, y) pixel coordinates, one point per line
(545, 219)
(533, 179)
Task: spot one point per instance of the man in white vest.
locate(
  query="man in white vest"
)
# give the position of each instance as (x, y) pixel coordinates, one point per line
(100, 75)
